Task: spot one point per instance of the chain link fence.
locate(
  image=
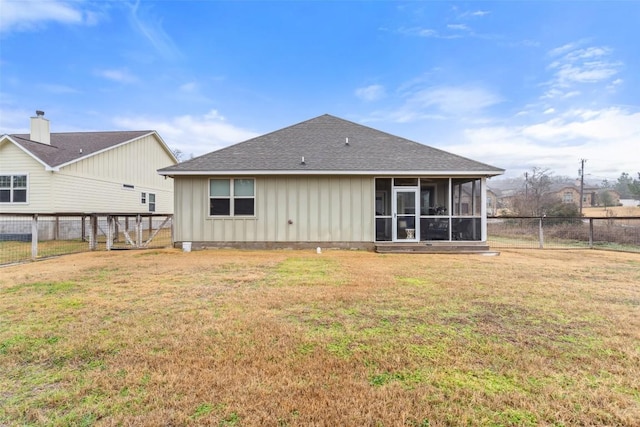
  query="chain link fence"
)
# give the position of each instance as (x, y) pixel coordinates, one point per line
(614, 233)
(26, 237)
(29, 236)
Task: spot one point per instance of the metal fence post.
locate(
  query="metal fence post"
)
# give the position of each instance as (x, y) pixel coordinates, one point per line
(34, 236)
(590, 233)
(540, 233)
(173, 235)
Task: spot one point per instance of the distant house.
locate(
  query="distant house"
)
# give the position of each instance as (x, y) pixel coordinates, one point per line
(591, 196)
(514, 200)
(84, 172)
(569, 194)
(329, 181)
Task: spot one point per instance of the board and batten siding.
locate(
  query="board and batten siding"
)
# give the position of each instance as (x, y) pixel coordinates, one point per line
(39, 195)
(288, 209)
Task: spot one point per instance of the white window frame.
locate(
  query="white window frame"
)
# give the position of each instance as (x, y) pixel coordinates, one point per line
(143, 197)
(151, 203)
(12, 189)
(232, 197)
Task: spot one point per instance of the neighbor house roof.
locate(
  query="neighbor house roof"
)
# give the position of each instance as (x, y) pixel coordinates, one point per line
(330, 145)
(67, 147)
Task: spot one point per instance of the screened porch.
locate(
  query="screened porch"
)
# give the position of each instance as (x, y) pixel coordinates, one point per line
(424, 209)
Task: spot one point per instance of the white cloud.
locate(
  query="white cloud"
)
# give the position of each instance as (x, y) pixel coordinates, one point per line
(427, 32)
(370, 93)
(606, 125)
(459, 27)
(117, 75)
(190, 134)
(574, 65)
(57, 89)
(614, 84)
(437, 103)
(608, 138)
(189, 87)
(151, 28)
(25, 16)
(471, 13)
(564, 49)
(453, 100)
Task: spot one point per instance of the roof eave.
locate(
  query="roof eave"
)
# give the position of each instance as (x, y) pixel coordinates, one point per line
(486, 173)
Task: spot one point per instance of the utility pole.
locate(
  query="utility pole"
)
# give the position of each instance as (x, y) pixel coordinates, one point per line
(582, 161)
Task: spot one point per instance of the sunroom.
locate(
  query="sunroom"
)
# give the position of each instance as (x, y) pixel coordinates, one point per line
(429, 209)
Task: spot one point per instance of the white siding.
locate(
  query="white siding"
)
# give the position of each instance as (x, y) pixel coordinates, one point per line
(94, 184)
(321, 209)
(15, 161)
(135, 162)
(75, 193)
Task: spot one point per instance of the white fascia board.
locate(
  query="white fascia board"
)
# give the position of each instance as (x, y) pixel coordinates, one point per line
(29, 153)
(332, 172)
(164, 145)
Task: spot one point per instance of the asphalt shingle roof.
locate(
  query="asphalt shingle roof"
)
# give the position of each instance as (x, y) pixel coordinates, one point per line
(322, 141)
(66, 147)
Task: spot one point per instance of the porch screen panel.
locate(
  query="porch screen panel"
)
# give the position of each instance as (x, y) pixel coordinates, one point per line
(383, 209)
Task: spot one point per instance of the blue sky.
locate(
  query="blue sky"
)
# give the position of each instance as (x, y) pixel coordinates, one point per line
(515, 84)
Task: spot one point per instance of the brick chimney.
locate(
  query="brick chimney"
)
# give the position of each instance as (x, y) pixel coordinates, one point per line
(40, 129)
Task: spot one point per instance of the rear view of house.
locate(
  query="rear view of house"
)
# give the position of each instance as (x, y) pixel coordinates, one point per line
(84, 172)
(329, 182)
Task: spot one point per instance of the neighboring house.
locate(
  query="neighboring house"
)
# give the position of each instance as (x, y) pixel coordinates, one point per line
(604, 197)
(507, 200)
(84, 172)
(328, 181)
(591, 196)
(569, 194)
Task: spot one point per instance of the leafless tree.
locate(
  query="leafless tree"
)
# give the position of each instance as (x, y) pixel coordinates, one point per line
(536, 196)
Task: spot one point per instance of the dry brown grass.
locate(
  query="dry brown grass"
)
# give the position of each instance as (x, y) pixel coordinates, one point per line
(292, 338)
(611, 211)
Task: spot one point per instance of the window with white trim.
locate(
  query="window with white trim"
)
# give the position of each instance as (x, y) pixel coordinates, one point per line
(143, 198)
(152, 202)
(232, 197)
(13, 188)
